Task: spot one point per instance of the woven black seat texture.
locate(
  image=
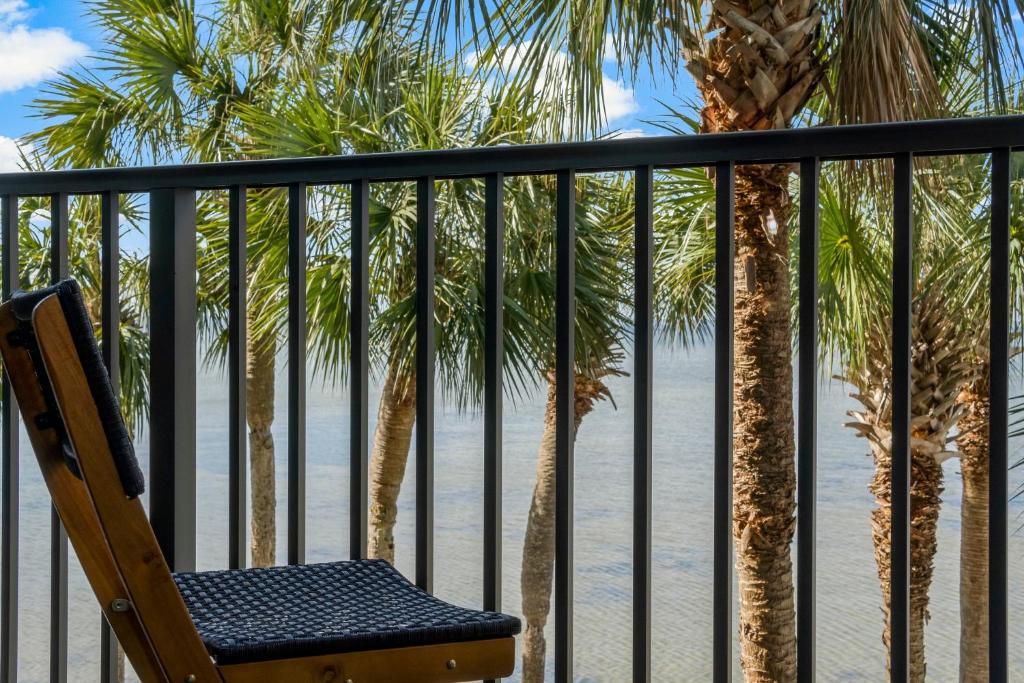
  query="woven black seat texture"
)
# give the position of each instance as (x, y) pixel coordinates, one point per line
(247, 615)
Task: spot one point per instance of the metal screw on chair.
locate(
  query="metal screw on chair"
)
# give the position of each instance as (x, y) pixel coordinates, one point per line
(120, 605)
(191, 678)
(451, 664)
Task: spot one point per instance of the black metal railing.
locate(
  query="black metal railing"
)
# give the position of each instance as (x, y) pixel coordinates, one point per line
(172, 191)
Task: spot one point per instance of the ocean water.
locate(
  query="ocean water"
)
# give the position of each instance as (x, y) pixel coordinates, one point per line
(849, 616)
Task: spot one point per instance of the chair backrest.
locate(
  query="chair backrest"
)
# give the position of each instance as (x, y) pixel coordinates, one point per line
(86, 457)
(72, 304)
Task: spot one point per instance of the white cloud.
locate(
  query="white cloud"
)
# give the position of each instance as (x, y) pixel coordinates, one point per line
(31, 54)
(9, 156)
(628, 133)
(12, 11)
(611, 54)
(619, 101)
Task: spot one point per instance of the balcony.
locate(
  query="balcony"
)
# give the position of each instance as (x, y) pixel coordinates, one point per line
(197, 432)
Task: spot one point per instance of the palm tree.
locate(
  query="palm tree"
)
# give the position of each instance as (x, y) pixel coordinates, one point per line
(947, 371)
(973, 425)
(198, 112)
(172, 86)
(855, 267)
(940, 368)
(445, 108)
(756, 64)
(442, 107)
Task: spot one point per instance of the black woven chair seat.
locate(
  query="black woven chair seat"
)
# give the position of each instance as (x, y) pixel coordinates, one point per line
(247, 615)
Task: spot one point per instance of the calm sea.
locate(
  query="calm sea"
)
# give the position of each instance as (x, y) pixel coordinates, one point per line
(849, 617)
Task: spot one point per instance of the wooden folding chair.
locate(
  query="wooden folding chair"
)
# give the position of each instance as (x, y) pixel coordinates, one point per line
(348, 622)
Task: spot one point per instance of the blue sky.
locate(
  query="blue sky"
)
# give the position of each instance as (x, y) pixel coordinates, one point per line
(39, 37)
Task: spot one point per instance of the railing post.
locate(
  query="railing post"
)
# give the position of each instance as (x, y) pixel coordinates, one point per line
(9, 498)
(902, 311)
(425, 341)
(565, 386)
(172, 469)
(724, 256)
(999, 369)
(807, 421)
(494, 354)
(58, 535)
(643, 380)
(297, 373)
(238, 545)
(110, 286)
(359, 371)
(110, 296)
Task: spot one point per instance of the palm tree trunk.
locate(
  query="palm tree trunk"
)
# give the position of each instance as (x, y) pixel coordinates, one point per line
(755, 73)
(395, 418)
(973, 446)
(260, 375)
(925, 501)
(539, 543)
(938, 373)
(764, 476)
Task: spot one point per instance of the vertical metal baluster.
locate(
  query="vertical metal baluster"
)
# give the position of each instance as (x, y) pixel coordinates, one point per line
(494, 355)
(565, 385)
(110, 236)
(425, 254)
(297, 373)
(58, 535)
(110, 286)
(238, 544)
(724, 255)
(359, 373)
(172, 433)
(9, 455)
(58, 237)
(999, 353)
(808, 420)
(643, 380)
(902, 289)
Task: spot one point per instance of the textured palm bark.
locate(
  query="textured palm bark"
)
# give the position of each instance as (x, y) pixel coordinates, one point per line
(758, 70)
(939, 370)
(761, 66)
(764, 475)
(973, 446)
(925, 502)
(395, 418)
(259, 407)
(539, 543)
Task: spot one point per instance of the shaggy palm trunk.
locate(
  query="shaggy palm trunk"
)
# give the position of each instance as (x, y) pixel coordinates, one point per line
(756, 73)
(259, 408)
(938, 371)
(973, 446)
(764, 476)
(539, 544)
(395, 418)
(925, 500)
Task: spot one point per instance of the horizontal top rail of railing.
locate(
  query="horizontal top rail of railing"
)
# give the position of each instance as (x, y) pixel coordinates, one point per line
(937, 137)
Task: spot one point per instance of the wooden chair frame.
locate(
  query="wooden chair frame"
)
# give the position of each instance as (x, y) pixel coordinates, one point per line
(123, 562)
